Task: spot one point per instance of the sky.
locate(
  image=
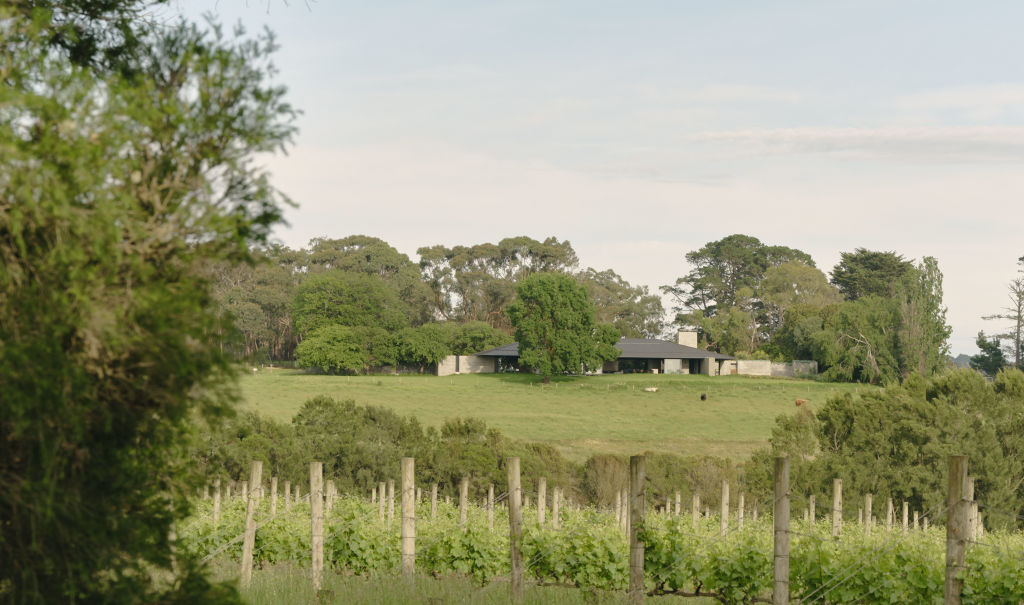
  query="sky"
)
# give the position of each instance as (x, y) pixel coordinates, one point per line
(641, 130)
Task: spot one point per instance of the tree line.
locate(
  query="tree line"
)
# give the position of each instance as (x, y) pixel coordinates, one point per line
(356, 303)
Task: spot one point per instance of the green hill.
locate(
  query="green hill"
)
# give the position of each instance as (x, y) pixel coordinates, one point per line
(578, 415)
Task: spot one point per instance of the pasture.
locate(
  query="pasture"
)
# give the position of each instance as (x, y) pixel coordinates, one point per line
(578, 415)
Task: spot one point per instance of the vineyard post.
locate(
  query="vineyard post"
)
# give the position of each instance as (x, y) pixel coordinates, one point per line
(916, 513)
(329, 500)
(556, 519)
(391, 502)
(724, 520)
(316, 517)
(780, 519)
(696, 510)
(373, 495)
(287, 496)
(216, 502)
(906, 516)
(889, 514)
(636, 522)
(463, 501)
(860, 516)
(408, 516)
(679, 503)
(490, 507)
(382, 500)
(419, 495)
(957, 512)
(972, 513)
(245, 491)
(812, 506)
(618, 508)
(256, 469)
(515, 526)
(837, 507)
(433, 502)
(273, 496)
(867, 514)
(542, 496)
(739, 513)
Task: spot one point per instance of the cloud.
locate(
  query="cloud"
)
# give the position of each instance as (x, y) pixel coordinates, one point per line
(985, 102)
(942, 144)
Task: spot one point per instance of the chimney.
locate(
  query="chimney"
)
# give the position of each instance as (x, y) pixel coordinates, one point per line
(687, 338)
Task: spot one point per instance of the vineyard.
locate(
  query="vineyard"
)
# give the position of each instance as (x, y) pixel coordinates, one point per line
(683, 556)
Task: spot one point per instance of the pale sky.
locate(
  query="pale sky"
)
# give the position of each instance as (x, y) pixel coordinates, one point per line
(642, 130)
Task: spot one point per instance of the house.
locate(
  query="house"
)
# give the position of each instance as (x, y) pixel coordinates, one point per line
(636, 355)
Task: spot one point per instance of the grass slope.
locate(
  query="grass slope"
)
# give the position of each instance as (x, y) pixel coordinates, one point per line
(578, 415)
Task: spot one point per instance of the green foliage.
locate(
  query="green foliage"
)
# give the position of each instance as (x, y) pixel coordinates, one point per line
(895, 443)
(633, 311)
(332, 349)
(119, 187)
(554, 326)
(869, 273)
(477, 282)
(346, 299)
(423, 346)
(475, 336)
(990, 359)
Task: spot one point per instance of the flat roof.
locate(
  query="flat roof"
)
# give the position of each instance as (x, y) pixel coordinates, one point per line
(631, 348)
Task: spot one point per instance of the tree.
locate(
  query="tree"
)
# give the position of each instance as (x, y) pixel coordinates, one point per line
(475, 336)
(127, 157)
(554, 325)
(990, 360)
(424, 346)
(346, 299)
(635, 312)
(1014, 313)
(793, 284)
(869, 273)
(476, 283)
(332, 349)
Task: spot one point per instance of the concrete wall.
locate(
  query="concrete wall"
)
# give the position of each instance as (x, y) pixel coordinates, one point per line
(754, 367)
(763, 367)
(727, 367)
(674, 366)
(467, 364)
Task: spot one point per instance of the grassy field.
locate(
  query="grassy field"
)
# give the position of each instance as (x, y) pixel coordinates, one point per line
(578, 415)
(284, 583)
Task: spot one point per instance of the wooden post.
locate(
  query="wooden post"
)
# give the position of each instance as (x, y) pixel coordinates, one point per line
(916, 513)
(906, 516)
(679, 503)
(860, 516)
(273, 497)
(972, 513)
(837, 507)
(812, 506)
(216, 502)
(329, 500)
(206, 491)
(463, 501)
(490, 507)
(287, 496)
(780, 592)
(515, 526)
(391, 502)
(724, 520)
(433, 502)
(696, 511)
(636, 518)
(957, 511)
(373, 495)
(556, 518)
(245, 491)
(316, 510)
(739, 513)
(889, 514)
(249, 540)
(618, 508)
(419, 495)
(626, 513)
(867, 514)
(408, 516)
(382, 503)
(542, 495)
